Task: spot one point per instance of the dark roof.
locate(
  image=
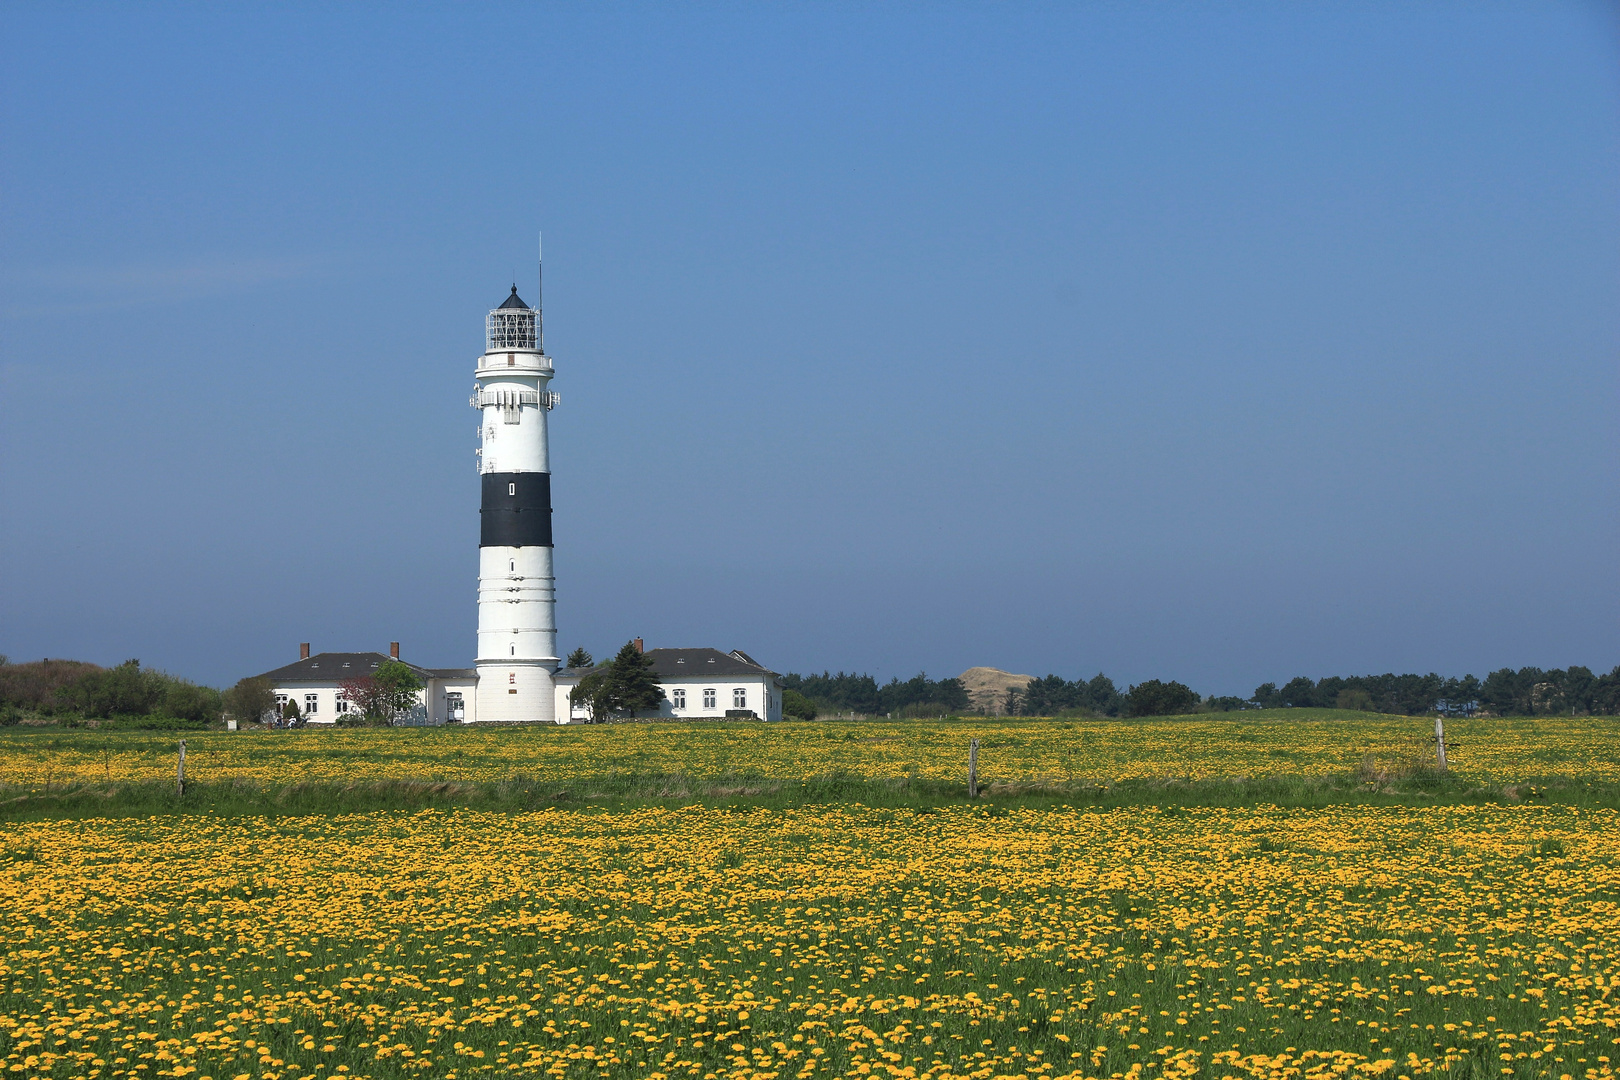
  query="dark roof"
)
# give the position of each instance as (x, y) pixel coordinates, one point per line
(514, 301)
(334, 666)
(453, 672)
(673, 662)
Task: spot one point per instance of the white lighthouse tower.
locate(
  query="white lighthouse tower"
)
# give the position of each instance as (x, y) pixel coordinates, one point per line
(517, 628)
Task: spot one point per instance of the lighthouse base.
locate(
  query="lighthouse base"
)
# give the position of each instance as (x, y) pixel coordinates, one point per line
(517, 692)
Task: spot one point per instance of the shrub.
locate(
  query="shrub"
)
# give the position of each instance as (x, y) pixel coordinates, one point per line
(34, 686)
(190, 702)
(250, 700)
(796, 706)
(125, 690)
(151, 723)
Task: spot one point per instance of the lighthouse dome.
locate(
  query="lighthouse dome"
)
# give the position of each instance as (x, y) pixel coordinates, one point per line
(513, 325)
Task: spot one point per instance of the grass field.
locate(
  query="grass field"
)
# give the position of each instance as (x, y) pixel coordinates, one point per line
(1294, 742)
(935, 937)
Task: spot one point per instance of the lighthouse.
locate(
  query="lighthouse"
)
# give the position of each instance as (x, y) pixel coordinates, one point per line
(517, 628)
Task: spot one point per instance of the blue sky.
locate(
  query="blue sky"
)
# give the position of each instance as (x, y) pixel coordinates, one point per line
(1222, 343)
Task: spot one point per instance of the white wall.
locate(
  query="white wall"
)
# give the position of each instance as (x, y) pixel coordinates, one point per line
(326, 695)
(432, 695)
(761, 694)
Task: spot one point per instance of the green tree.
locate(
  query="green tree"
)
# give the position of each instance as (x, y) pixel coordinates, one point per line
(594, 694)
(1155, 698)
(579, 659)
(250, 700)
(633, 687)
(385, 695)
(399, 686)
(797, 706)
(290, 713)
(125, 690)
(187, 701)
(1354, 698)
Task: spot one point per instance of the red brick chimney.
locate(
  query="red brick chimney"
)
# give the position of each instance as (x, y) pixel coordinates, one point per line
(393, 649)
(639, 647)
(303, 650)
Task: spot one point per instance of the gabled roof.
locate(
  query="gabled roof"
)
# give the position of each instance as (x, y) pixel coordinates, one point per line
(514, 301)
(335, 667)
(672, 663)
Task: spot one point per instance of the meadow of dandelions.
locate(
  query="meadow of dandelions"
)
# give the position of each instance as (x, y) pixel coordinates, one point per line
(766, 943)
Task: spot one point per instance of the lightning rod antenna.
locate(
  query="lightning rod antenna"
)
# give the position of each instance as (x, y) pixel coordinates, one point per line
(540, 293)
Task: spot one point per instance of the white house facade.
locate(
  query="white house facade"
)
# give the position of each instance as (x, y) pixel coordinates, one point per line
(698, 684)
(315, 685)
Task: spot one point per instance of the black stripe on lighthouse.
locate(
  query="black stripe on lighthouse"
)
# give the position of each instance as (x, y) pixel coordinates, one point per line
(516, 510)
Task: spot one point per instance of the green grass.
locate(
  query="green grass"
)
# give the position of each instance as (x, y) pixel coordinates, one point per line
(629, 791)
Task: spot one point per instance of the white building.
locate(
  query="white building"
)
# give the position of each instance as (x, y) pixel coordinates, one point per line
(315, 685)
(699, 684)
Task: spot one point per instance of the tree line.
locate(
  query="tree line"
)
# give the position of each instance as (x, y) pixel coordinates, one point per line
(1528, 691)
(71, 691)
(847, 692)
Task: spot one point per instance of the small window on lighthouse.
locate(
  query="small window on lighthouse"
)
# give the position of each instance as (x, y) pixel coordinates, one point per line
(512, 679)
(511, 489)
(514, 653)
(511, 564)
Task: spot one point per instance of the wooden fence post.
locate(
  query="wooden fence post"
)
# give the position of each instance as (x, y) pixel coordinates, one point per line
(181, 774)
(1440, 742)
(973, 768)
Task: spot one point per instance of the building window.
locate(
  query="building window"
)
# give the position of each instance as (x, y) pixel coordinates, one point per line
(708, 699)
(511, 679)
(677, 698)
(341, 704)
(511, 489)
(312, 704)
(454, 707)
(739, 698)
(281, 703)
